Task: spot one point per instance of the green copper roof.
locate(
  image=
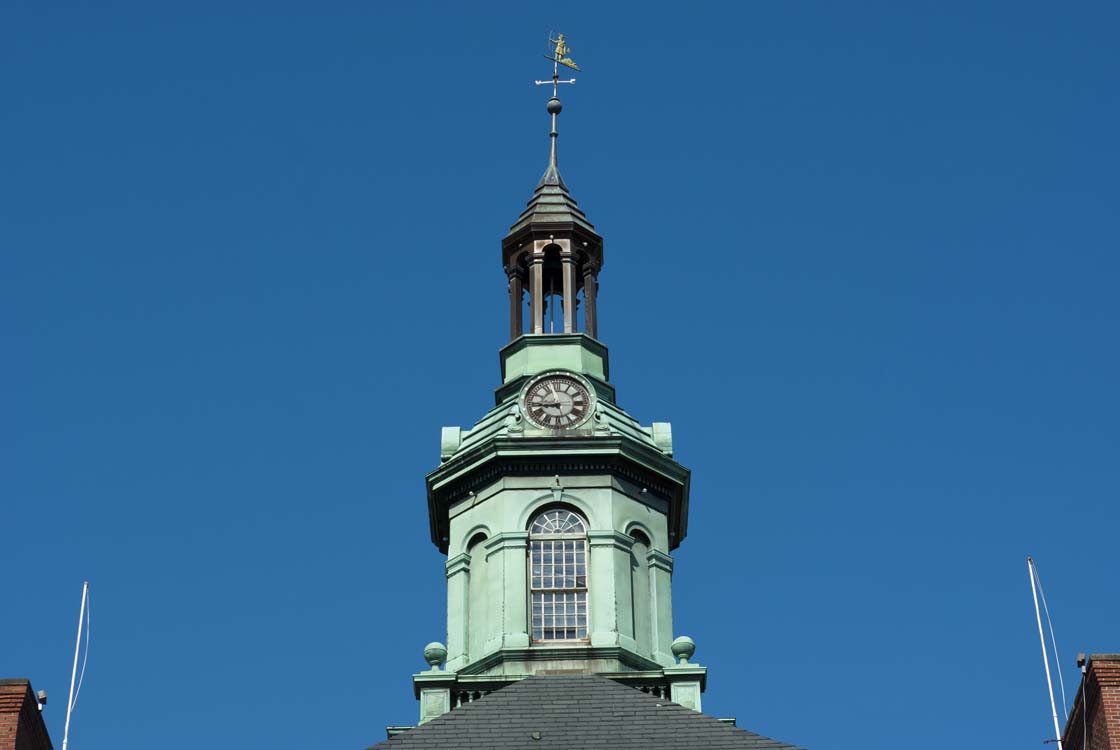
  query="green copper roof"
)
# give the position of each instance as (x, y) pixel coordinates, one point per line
(551, 205)
(497, 423)
(503, 440)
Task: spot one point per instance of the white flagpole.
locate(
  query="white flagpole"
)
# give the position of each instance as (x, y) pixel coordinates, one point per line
(74, 671)
(1045, 660)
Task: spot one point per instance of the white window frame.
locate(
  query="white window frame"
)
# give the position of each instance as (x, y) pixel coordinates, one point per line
(539, 573)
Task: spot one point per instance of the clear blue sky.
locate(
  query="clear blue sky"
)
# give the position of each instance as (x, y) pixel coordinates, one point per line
(862, 255)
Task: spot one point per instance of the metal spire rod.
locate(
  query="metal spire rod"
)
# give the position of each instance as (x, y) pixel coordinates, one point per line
(558, 58)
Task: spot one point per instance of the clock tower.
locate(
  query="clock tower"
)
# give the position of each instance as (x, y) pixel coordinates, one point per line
(558, 511)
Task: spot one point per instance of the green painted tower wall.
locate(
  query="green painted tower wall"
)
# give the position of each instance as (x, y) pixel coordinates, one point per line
(497, 476)
(629, 577)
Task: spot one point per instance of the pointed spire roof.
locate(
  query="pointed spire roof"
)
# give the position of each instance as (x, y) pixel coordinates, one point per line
(552, 207)
(552, 213)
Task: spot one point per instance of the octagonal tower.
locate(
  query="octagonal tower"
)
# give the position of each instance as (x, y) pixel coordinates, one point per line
(557, 510)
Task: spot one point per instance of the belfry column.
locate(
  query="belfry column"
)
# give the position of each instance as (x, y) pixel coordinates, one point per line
(568, 263)
(536, 286)
(515, 304)
(590, 291)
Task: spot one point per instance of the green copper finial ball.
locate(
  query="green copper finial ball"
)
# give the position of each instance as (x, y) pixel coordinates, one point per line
(554, 106)
(435, 654)
(683, 648)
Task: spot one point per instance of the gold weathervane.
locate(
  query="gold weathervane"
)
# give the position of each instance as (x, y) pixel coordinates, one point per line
(560, 55)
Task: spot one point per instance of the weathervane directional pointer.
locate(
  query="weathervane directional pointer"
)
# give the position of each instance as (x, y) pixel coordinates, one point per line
(559, 57)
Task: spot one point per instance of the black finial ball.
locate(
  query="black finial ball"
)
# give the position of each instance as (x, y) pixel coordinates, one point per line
(554, 106)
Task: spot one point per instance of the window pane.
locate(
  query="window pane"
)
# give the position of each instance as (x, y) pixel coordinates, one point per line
(558, 577)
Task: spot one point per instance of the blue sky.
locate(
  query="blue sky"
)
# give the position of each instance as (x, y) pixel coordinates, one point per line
(862, 255)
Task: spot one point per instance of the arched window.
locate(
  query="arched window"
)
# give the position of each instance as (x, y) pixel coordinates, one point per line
(558, 576)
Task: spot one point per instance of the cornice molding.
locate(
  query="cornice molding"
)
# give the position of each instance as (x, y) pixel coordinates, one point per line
(660, 560)
(581, 654)
(619, 455)
(610, 538)
(461, 563)
(506, 540)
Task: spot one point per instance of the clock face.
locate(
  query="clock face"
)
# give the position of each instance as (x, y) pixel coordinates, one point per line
(557, 402)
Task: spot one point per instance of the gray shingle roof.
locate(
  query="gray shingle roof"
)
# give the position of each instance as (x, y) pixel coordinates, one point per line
(552, 204)
(583, 712)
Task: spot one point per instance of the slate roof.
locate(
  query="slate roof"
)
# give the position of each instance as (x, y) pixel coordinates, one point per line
(584, 712)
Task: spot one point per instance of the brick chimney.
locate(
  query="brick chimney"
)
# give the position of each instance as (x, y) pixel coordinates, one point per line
(21, 724)
(1094, 721)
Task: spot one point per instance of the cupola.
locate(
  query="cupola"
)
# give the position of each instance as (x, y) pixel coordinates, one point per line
(557, 510)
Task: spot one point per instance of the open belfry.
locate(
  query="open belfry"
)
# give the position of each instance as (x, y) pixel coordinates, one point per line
(559, 513)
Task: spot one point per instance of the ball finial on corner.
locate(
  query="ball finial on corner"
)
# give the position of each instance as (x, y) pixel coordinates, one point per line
(435, 653)
(683, 648)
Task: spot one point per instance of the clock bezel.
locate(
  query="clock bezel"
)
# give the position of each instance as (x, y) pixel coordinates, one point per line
(522, 399)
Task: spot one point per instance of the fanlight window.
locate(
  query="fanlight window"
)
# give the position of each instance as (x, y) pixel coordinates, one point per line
(558, 522)
(558, 576)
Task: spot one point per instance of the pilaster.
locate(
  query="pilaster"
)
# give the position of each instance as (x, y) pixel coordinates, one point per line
(507, 553)
(661, 604)
(458, 587)
(609, 585)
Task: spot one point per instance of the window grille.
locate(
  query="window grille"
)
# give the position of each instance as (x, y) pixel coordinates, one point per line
(558, 576)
